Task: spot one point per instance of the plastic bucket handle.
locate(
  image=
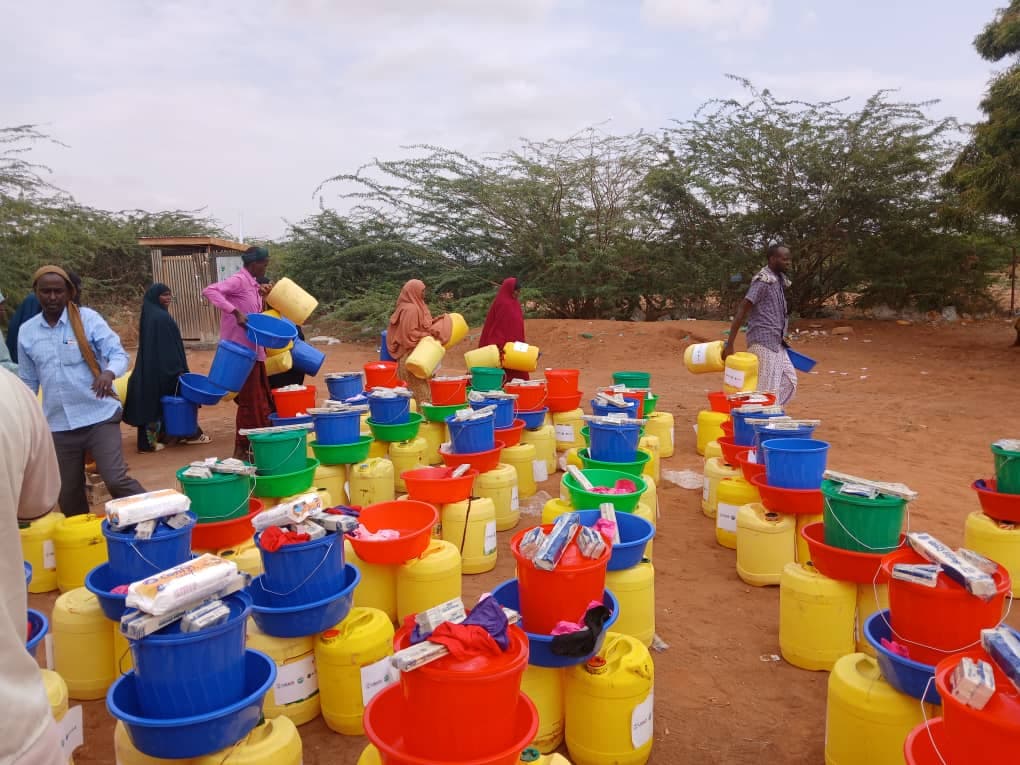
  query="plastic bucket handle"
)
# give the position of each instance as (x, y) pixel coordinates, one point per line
(307, 579)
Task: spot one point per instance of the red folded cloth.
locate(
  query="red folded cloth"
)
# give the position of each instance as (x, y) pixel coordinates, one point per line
(465, 640)
(273, 538)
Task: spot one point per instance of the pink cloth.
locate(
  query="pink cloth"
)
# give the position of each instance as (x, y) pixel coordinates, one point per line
(239, 292)
(378, 536)
(897, 648)
(623, 486)
(565, 628)
(606, 528)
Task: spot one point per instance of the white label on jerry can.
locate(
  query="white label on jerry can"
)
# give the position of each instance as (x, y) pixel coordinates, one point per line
(490, 538)
(726, 517)
(296, 681)
(376, 677)
(733, 377)
(72, 731)
(705, 488)
(515, 499)
(521, 347)
(565, 434)
(641, 722)
(48, 648)
(699, 354)
(49, 554)
(539, 470)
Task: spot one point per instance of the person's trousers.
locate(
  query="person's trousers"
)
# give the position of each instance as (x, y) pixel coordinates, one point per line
(254, 405)
(102, 440)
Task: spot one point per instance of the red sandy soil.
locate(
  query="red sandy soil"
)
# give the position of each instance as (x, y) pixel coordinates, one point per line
(918, 404)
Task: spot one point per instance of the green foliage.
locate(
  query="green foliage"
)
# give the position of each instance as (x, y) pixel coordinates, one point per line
(987, 170)
(41, 225)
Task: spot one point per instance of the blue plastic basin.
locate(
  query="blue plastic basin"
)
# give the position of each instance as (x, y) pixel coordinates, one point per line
(533, 418)
(540, 646)
(800, 362)
(302, 620)
(100, 583)
(194, 735)
(635, 534)
(199, 390)
(270, 332)
(40, 626)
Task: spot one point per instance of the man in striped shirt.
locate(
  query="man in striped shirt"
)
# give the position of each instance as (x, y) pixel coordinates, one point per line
(764, 308)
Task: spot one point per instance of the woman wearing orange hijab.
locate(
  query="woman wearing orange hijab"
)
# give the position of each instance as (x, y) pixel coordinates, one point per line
(410, 322)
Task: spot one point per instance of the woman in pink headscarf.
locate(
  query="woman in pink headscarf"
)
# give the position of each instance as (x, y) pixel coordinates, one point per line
(505, 322)
(411, 321)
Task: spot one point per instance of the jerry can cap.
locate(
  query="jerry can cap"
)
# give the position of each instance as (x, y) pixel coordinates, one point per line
(596, 665)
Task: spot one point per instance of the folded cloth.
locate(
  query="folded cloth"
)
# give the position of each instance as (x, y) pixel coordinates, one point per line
(897, 648)
(606, 528)
(377, 536)
(487, 615)
(622, 486)
(121, 589)
(273, 538)
(464, 641)
(565, 628)
(582, 642)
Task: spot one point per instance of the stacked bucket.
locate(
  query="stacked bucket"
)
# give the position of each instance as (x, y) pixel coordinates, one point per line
(591, 697)
(994, 531)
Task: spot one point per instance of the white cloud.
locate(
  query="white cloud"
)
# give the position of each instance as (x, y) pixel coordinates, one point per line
(724, 19)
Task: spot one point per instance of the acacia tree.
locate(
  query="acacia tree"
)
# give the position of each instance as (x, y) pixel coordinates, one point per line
(988, 169)
(852, 193)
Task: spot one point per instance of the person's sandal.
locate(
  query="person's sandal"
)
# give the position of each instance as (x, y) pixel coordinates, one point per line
(202, 439)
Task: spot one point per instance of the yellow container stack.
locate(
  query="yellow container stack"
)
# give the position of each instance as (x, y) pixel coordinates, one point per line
(38, 548)
(816, 618)
(434, 434)
(997, 541)
(500, 485)
(353, 665)
(82, 645)
(295, 694)
(866, 719)
(610, 704)
(732, 494)
(332, 479)
(80, 546)
(371, 481)
(709, 428)
(477, 542)
(378, 586)
(567, 426)
(407, 455)
(765, 544)
(634, 588)
(544, 441)
(661, 425)
(545, 686)
(274, 742)
(650, 446)
(522, 458)
(432, 578)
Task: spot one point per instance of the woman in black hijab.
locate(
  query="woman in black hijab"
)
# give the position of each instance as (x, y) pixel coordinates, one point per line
(161, 360)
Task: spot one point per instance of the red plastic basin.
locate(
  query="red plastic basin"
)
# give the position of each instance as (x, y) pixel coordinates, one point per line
(220, 534)
(511, 436)
(979, 736)
(381, 374)
(449, 392)
(924, 743)
(563, 382)
(412, 519)
(730, 450)
(727, 428)
(935, 622)
(386, 726)
(459, 710)
(748, 468)
(788, 501)
(1001, 507)
(294, 402)
(565, 403)
(837, 563)
(436, 485)
(529, 397)
(483, 462)
(718, 401)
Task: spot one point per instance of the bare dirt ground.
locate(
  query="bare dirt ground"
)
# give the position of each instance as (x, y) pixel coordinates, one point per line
(918, 404)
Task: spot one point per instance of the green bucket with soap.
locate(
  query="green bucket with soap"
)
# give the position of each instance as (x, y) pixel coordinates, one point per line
(486, 378)
(861, 524)
(1007, 469)
(222, 497)
(279, 453)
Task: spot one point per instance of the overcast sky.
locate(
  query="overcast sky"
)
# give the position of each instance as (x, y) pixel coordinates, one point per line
(245, 107)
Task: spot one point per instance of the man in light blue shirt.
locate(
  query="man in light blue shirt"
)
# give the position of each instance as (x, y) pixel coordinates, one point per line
(74, 356)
